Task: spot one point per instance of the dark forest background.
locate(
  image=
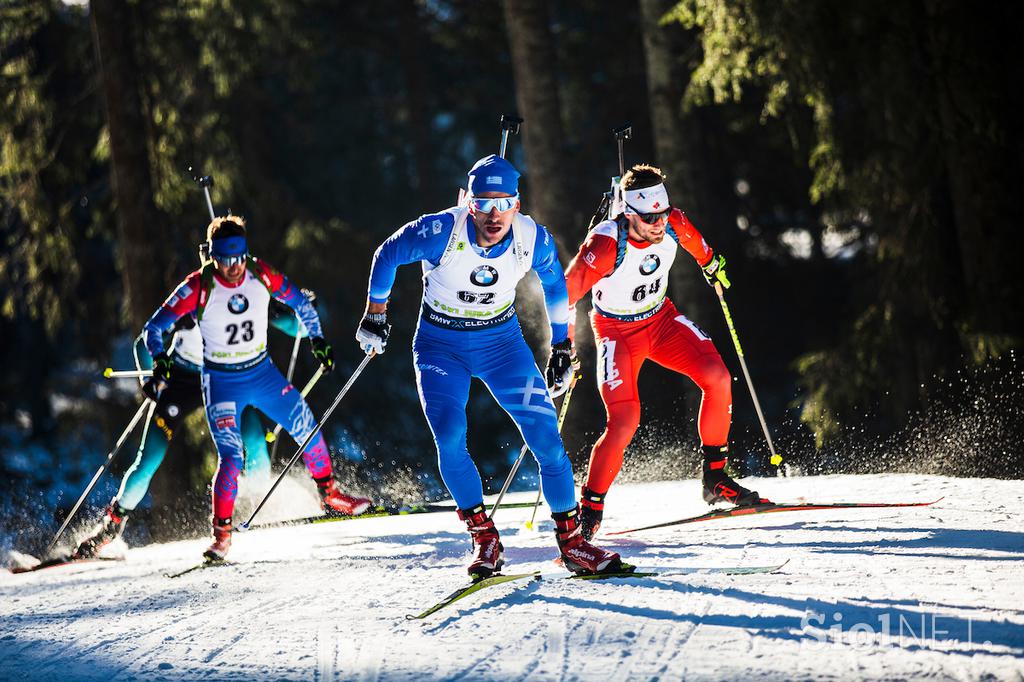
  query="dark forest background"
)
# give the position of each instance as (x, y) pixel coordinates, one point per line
(859, 164)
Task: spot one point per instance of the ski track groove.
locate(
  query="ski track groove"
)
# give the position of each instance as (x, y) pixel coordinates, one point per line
(369, 658)
(682, 641)
(326, 652)
(210, 657)
(176, 628)
(70, 646)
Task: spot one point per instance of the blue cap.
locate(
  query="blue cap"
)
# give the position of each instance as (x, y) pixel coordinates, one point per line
(493, 174)
(229, 246)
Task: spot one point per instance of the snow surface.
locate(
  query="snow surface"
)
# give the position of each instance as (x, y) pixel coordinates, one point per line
(931, 592)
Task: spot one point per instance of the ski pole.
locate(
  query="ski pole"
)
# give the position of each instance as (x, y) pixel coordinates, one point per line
(621, 135)
(106, 465)
(111, 373)
(509, 124)
(561, 418)
(522, 453)
(311, 436)
(291, 372)
(776, 458)
(305, 391)
(206, 182)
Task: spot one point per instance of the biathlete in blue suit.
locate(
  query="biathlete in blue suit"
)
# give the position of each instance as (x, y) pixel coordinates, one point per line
(473, 256)
(229, 298)
(182, 396)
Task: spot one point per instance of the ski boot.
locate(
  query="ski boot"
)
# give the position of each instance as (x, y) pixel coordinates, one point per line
(333, 501)
(107, 531)
(490, 555)
(591, 513)
(719, 486)
(578, 555)
(221, 540)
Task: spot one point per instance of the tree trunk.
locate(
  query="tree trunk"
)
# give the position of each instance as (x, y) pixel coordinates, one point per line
(534, 67)
(412, 60)
(666, 83)
(141, 228)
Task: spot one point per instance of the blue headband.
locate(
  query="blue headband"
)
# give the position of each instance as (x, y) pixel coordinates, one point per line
(493, 174)
(229, 246)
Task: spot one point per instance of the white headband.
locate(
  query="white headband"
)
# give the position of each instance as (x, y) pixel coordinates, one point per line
(646, 200)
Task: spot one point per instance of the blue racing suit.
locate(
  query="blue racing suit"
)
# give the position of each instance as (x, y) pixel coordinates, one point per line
(468, 328)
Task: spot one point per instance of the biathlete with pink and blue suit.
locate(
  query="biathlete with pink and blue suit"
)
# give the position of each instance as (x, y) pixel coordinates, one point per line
(229, 298)
(472, 256)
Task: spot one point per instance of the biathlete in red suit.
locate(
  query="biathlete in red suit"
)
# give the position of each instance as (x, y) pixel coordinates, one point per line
(625, 263)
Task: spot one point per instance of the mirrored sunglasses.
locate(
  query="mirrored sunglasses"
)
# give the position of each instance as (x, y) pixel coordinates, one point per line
(651, 218)
(228, 261)
(500, 203)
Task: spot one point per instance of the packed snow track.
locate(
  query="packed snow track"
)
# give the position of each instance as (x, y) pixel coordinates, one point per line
(935, 592)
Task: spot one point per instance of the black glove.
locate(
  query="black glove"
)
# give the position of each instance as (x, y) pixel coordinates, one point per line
(714, 271)
(323, 352)
(155, 385)
(562, 364)
(373, 332)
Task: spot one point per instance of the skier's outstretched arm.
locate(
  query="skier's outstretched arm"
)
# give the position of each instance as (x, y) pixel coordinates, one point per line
(283, 318)
(423, 239)
(183, 301)
(281, 289)
(690, 239)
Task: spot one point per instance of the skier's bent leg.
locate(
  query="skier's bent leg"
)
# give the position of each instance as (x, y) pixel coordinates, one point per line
(443, 398)
(223, 421)
(280, 401)
(284, 404)
(136, 480)
(521, 391)
(715, 380)
(257, 458)
(607, 454)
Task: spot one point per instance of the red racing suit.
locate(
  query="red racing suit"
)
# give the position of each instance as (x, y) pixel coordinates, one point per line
(634, 321)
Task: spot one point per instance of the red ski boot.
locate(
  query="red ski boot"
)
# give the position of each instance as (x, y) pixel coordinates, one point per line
(718, 485)
(591, 512)
(221, 540)
(490, 555)
(333, 501)
(107, 531)
(578, 555)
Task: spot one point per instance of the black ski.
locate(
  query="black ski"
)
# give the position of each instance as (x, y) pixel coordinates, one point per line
(374, 513)
(771, 508)
(207, 563)
(67, 560)
(628, 572)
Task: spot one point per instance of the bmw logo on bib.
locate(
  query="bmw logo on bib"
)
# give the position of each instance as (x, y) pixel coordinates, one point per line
(484, 276)
(649, 264)
(238, 304)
